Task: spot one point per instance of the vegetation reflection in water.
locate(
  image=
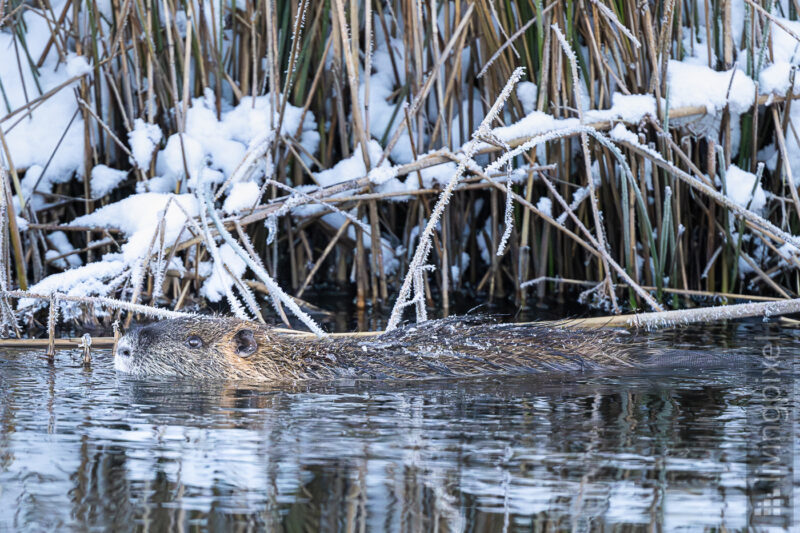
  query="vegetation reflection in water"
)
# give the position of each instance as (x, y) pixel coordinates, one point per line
(88, 449)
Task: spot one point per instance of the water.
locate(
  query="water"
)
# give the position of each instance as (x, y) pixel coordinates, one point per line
(88, 449)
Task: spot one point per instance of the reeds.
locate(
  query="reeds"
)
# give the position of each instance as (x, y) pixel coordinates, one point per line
(652, 229)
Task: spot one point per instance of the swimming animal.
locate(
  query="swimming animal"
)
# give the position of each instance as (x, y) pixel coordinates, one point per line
(229, 348)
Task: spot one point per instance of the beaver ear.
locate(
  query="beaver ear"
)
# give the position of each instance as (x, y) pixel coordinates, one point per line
(245, 343)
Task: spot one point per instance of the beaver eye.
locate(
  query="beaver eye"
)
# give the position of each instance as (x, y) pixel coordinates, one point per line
(194, 341)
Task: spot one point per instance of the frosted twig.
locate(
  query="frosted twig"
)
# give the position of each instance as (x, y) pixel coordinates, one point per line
(716, 196)
(258, 147)
(506, 44)
(52, 317)
(7, 319)
(100, 300)
(714, 314)
(423, 248)
(236, 305)
(567, 132)
(612, 18)
(508, 221)
(258, 270)
(601, 236)
(508, 216)
(143, 264)
(287, 206)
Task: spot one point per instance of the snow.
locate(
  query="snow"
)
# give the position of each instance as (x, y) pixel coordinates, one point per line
(27, 185)
(351, 167)
(182, 154)
(384, 117)
(138, 215)
(35, 139)
(775, 79)
(216, 145)
(739, 188)
(431, 176)
(105, 179)
(243, 195)
(217, 285)
(698, 85)
(625, 107)
(381, 175)
(621, 133)
(143, 140)
(785, 48)
(61, 245)
(527, 93)
(792, 146)
(533, 124)
(90, 279)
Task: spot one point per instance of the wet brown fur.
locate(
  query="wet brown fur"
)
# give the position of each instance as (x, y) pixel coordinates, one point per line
(438, 348)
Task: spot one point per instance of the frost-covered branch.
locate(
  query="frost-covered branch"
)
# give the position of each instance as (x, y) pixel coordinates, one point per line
(423, 248)
(274, 289)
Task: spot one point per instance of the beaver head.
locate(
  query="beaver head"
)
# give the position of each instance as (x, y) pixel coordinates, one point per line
(201, 347)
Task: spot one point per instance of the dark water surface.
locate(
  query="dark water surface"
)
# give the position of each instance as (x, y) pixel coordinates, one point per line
(680, 450)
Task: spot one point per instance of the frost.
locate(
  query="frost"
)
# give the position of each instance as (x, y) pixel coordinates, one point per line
(91, 279)
(545, 205)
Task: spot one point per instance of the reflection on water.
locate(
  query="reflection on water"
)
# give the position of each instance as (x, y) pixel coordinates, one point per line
(84, 449)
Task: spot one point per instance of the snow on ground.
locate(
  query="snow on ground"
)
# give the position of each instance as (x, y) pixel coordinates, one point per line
(138, 217)
(143, 140)
(213, 143)
(34, 140)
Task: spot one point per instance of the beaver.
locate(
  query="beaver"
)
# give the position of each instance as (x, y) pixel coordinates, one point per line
(231, 348)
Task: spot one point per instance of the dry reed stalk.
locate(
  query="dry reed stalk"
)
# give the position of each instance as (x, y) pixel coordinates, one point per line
(436, 78)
